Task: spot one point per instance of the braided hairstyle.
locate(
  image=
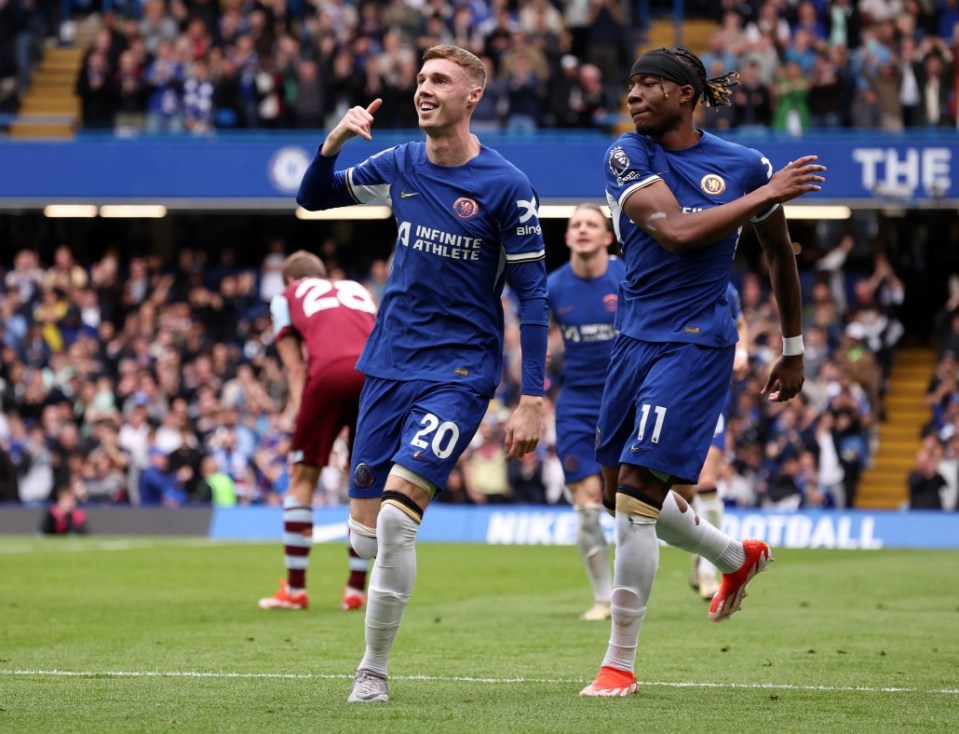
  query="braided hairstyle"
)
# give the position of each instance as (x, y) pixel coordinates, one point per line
(716, 91)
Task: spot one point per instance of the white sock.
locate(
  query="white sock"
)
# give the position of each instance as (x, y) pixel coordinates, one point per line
(594, 551)
(391, 584)
(685, 529)
(637, 557)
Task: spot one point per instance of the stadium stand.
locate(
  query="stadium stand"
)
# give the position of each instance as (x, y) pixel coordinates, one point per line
(898, 435)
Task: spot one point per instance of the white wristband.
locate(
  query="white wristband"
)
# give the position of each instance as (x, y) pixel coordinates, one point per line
(792, 346)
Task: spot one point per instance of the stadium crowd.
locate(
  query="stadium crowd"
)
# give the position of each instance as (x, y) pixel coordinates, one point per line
(934, 482)
(205, 65)
(156, 383)
(135, 380)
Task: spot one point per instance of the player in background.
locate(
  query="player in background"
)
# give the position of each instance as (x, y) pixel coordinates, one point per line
(582, 299)
(466, 221)
(320, 326)
(704, 497)
(679, 198)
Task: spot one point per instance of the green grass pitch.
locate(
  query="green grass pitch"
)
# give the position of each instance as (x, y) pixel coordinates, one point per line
(140, 635)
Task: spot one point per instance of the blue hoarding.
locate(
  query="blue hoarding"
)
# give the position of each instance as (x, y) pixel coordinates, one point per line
(535, 525)
(264, 170)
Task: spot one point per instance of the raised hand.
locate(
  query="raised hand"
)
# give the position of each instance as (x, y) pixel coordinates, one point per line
(796, 178)
(357, 122)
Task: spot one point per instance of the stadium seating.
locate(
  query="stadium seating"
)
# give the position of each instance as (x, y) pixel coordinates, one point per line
(882, 484)
(51, 107)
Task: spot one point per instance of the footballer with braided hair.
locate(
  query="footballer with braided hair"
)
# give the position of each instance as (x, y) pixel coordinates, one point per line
(679, 197)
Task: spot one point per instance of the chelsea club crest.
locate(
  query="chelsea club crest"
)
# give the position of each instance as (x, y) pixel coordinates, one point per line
(286, 168)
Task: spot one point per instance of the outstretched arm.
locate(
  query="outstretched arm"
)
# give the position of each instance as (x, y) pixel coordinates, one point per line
(654, 208)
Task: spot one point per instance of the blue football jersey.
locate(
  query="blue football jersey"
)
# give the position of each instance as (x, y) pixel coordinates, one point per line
(585, 312)
(459, 231)
(669, 297)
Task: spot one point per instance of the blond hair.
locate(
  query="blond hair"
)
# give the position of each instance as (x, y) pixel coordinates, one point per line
(467, 60)
(302, 264)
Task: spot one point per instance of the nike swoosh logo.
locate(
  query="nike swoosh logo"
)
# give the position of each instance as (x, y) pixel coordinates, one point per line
(408, 194)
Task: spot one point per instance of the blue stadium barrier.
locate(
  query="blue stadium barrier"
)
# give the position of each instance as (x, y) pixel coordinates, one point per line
(536, 525)
(264, 170)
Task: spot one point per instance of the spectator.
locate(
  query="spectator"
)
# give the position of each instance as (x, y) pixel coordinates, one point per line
(934, 77)
(523, 89)
(782, 492)
(131, 93)
(807, 20)
(309, 104)
(485, 468)
(526, 479)
(228, 102)
(859, 364)
(35, 468)
(925, 481)
(164, 81)
(158, 485)
(97, 92)
(215, 486)
(577, 17)
(156, 27)
(827, 93)
(751, 100)
(457, 491)
(768, 22)
(26, 276)
(64, 517)
(879, 102)
(792, 94)
(852, 448)
(607, 43)
(9, 481)
(831, 487)
(717, 51)
(491, 109)
(588, 103)
(185, 462)
(344, 87)
(397, 93)
(843, 24)
(198, 93)
(564, 83)
(268, 83)
(66, 274)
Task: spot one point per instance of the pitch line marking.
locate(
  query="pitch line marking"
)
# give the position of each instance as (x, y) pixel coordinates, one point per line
(466, 679)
